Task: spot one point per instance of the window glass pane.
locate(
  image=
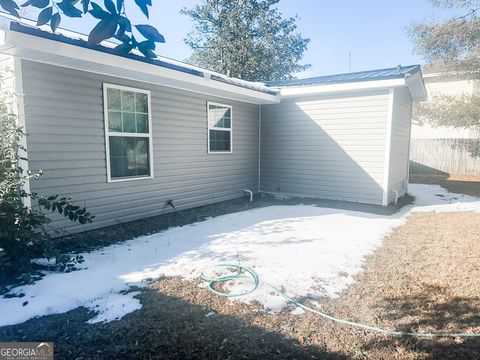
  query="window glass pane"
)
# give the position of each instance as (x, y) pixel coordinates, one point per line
(142, 123)
(128, 101)
(129, 156)
(113, 96)
(129, 122)
(115, 121)
(141, 156)
(141, 102)
(117, 157)
(219, 140)
(219, 116)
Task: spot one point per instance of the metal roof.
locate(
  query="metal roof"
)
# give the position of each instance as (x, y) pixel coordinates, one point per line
(370, 75)
(76, 39)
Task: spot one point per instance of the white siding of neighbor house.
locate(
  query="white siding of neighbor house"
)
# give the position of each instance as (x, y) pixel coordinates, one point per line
(326, 146)
(6, 74)
(400, 143)
(65, 122)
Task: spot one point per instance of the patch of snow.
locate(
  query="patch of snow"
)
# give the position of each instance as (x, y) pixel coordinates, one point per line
(309, 251)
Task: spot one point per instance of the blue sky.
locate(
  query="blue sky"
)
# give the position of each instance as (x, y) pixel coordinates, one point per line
(373, 31)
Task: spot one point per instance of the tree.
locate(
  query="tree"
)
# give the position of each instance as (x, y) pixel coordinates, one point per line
(454, 43)
(248, 39)
(113, 21)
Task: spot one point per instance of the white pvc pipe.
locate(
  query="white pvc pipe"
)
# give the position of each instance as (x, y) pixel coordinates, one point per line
(250, 193)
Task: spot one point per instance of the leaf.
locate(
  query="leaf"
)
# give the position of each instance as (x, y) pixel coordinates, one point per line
(142, 4)
(68, 9)
(123, 49)
(148, 53)
(120, 5)
(110, 6)
(105, 29)
(85, 4)
(147, 44)
(98, 12)
(55, 21)
(82, 220)
(10, 6)
(123, 38)
(53, 197)
(36, 3)
(124, 22)
(150, 33)
(45, 16)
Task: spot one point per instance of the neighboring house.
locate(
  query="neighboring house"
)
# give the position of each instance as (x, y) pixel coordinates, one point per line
(445, 149)
(123, 134)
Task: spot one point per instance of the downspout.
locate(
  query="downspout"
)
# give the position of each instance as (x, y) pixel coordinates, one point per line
(259, 143)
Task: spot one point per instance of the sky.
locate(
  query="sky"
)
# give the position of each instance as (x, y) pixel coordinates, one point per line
(373, 31)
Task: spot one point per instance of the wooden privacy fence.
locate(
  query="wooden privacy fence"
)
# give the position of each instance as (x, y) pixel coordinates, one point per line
(451, 156)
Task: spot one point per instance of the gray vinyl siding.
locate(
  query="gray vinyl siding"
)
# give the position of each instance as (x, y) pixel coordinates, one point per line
(400, 142)
(65, 122)
(329, 146)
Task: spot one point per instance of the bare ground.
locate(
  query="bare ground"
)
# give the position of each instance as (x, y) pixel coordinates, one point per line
(425, 278)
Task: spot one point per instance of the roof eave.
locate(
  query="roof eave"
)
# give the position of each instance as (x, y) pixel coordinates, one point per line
(43, 50)
(297, 91)
(414, 82)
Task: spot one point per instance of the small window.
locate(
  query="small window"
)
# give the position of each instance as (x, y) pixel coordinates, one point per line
(128, 133)
(219, 128)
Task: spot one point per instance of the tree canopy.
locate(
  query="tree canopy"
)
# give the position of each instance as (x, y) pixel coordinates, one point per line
(455, 43)
(248, 39)
(113, 21)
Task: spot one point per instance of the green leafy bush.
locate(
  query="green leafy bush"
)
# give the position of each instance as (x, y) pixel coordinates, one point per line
(23, 236)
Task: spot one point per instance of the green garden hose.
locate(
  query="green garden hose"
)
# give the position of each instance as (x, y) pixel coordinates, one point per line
(214, 282)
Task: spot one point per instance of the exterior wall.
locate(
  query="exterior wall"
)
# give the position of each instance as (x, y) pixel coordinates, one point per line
(399, 142)
(65, 123)
(328, 146)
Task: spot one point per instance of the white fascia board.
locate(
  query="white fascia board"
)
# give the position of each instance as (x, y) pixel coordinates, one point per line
(67, 55)
(297, 91)
(417, 88)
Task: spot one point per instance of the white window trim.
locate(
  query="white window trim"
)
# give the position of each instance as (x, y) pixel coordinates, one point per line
(221, 129)
(109, 133)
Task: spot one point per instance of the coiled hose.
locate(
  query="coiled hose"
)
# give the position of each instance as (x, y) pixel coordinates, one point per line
(241, 270)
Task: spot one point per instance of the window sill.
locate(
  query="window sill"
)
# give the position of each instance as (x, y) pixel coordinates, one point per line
(130, 179)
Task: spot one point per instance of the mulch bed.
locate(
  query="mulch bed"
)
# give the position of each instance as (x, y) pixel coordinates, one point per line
(425, 278)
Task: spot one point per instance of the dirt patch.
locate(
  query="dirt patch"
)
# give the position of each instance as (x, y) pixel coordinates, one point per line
(460, 184)
(425, 278)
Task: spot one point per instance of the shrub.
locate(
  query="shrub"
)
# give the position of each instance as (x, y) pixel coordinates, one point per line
(23, 236)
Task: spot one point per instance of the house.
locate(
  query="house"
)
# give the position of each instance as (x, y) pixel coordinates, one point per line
(123, 134)
(446, 149)
(439, 81)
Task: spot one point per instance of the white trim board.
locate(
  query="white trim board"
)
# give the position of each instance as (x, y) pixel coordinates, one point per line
(219, 129)
(21, 122)
(388, 146)
(109, 133)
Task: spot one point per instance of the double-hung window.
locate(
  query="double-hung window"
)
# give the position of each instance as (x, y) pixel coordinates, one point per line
(219, 128)
(128, 133)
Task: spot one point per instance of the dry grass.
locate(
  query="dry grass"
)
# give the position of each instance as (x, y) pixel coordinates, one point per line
(425, 278)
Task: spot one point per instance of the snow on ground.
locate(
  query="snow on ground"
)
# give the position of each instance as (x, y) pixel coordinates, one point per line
(308, 250)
